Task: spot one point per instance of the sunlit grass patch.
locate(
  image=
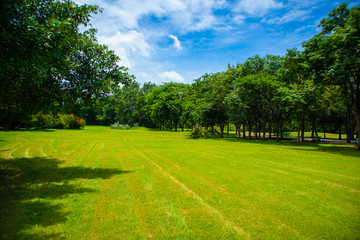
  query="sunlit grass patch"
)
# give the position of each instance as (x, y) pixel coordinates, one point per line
(101, 183)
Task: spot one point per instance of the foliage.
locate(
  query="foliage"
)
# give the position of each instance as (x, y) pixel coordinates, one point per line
(196, 132)
(334, 54)
(310, 90)
(120, 126)
(58, 121)
(47, 63)
(165, 105)
(199, 132)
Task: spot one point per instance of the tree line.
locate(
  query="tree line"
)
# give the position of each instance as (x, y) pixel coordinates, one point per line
(315, 89)
(49, 65)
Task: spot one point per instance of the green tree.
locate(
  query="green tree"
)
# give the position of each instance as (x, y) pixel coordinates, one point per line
(143, 110)
(165, 104)
(300, 88)
(46, 60)
(334, 54)
(126, 104)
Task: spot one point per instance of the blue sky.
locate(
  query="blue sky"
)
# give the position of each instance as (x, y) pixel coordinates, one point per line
(180, 40)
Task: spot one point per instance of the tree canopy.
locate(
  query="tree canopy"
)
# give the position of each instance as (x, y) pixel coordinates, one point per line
(47, 62)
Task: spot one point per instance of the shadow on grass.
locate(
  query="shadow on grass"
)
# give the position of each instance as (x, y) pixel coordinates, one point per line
(333, 148)
(27, 188)
(167, 130)
(31, 130)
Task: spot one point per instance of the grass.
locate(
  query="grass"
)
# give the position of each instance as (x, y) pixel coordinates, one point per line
(102, 183)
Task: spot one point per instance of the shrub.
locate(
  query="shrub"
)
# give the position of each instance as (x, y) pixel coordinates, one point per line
(59, 121)
(196, 132)
(120, 126)
(38, 121)
(72, 122)
(206, 134)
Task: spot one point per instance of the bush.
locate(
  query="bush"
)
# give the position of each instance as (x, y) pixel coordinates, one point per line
(72, 122)
(59, 121)
(120, 126)
(206, 134)
(196, 132)
(38, 121)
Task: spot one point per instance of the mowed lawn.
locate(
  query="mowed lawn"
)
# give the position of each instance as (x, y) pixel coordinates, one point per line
(102, 183)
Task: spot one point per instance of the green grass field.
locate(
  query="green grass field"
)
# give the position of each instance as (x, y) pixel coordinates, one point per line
(101, 183)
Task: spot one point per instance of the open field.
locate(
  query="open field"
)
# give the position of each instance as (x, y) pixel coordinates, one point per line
(101, 183)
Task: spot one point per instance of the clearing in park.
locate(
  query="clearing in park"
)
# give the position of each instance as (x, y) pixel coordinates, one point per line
(102, 183)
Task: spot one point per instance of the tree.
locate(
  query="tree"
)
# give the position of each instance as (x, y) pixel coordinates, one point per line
(219, 87)
(165, 104)
(144, 114)
(334, 54)
(296, 74)
(46, 61)
(126, 104)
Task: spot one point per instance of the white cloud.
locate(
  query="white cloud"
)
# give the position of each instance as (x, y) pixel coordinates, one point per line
(185, 15)
(295, 15)
(131, 40)
(177, 43)
(171, 76)
(257, 7)
(239, 19)
(127, 44)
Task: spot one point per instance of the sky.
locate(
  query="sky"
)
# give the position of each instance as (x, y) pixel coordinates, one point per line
(181, 40)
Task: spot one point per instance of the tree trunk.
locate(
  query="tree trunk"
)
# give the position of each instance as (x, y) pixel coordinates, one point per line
(175, 124)
(277, 129)
(222, 125)
(298, 134)
(212, 129)
(299, 123)
(303, 130)
(256, 131)
(348, 128)
(250, 129)
(270, 130)
(244, 131)
(353, 131)
(339, 130)
(228, 126)
(357, 116)
(312, 128)
(264, 130)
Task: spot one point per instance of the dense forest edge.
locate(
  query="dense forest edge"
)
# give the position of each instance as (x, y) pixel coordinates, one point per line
(55, 76)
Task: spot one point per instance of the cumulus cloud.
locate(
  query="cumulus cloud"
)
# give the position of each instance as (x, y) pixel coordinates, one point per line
(131, 40)
(186, 15)
(177, 43)
(127, 44)
(171, 76)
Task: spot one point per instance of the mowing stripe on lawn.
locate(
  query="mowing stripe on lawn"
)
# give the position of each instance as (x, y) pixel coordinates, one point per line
(213, 211)
(220, 190)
